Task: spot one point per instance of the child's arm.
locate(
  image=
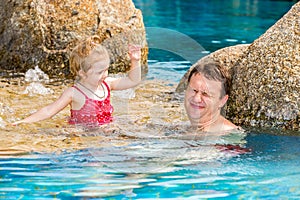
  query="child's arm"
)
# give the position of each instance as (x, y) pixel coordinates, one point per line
(134, 74)
(49, 110)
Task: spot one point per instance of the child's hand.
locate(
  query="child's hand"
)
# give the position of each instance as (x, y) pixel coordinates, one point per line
(135, 52)
(17, 123)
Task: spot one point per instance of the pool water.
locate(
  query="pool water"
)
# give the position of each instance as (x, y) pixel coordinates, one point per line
(143, 169)
(180, 32)
(49, 161)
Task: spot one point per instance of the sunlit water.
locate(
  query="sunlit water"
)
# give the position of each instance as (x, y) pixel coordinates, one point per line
(157, 168)
(149, 151)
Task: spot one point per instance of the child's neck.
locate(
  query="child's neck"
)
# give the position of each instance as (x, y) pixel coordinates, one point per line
(88, 86)
(100, 94)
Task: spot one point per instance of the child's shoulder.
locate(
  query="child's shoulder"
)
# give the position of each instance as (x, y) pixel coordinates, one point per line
(69, 91)
(109, 81)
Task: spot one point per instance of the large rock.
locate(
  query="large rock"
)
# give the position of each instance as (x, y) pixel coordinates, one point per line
(43, 32)
(266, 81)
(266, 76)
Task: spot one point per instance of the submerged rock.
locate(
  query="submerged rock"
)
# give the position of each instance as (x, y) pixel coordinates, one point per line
(266, 77)
(43, 32)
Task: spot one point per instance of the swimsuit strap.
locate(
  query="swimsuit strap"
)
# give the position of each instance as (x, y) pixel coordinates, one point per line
(74, 86)
(107, 87)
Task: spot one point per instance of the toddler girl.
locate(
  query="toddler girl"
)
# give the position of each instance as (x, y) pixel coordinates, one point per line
(89, 97)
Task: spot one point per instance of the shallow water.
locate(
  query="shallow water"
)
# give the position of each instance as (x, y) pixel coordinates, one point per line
(156, 98)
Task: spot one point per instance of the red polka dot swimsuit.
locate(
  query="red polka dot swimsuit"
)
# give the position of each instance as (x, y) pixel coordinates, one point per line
(93, 112)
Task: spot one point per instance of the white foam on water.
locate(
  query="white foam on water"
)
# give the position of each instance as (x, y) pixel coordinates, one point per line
(36, 77)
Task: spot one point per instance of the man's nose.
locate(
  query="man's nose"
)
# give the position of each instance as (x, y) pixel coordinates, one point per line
(197, 97)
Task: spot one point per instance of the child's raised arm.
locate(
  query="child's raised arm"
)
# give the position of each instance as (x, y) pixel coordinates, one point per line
(134, 74)
(49, 110)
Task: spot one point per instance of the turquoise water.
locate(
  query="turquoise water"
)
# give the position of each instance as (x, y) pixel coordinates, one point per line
(136, 170)
(186, 30)
(179, 33)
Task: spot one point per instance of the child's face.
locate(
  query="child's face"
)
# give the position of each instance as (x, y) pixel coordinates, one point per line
(98, 71)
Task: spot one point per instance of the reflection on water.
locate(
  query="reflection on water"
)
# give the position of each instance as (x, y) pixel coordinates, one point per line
(169, 71)
(155, 168)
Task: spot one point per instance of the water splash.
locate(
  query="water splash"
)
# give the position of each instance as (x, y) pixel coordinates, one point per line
(37, 77)
(37, 88)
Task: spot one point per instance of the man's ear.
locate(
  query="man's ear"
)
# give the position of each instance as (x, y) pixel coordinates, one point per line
(223, 100)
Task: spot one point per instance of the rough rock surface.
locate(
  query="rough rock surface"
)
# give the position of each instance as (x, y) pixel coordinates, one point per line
(266, 77)
(227, 56)
(266, 81)
(42, 32)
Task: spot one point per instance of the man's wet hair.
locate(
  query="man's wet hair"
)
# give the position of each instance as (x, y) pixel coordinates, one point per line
(213, 71)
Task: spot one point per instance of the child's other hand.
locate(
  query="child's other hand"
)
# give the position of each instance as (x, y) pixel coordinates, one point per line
(135, 52)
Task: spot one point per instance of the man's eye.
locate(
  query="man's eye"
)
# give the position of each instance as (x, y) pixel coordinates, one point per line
(206, 94)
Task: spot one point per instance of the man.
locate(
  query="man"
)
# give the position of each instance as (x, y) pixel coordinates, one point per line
(206, 94)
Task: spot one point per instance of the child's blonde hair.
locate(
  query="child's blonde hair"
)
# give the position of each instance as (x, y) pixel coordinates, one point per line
(87, 53)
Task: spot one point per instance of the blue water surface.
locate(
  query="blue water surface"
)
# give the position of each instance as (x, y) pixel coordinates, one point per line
(213, 25)
(270, 171)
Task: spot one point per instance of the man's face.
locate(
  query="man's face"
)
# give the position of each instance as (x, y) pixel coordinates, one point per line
(203, 101)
